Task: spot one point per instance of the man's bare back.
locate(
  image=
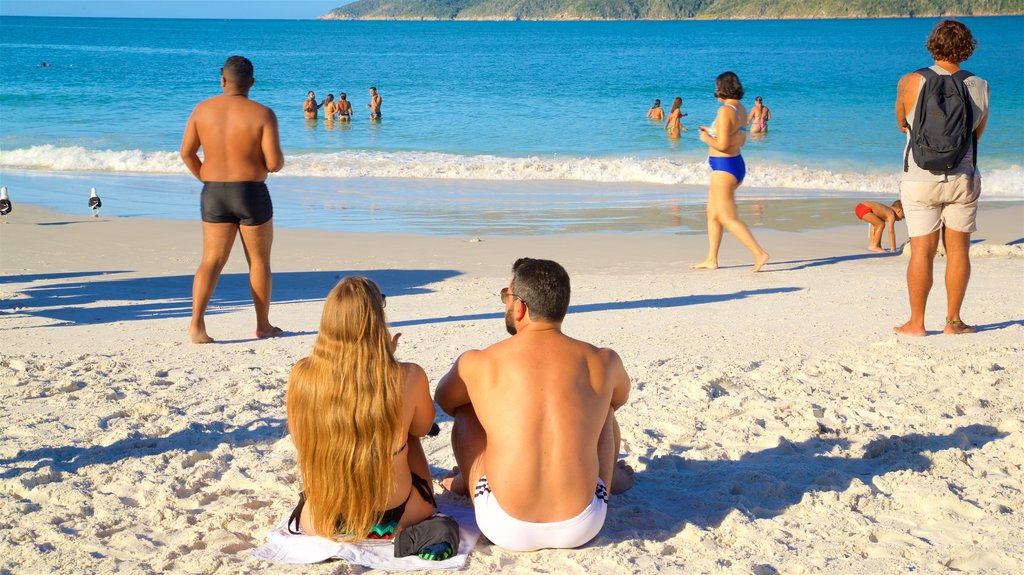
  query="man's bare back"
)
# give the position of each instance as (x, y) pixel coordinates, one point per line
(559, 399)
(239, 138)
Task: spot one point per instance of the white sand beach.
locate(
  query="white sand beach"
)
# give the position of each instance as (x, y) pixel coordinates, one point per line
(775, 423)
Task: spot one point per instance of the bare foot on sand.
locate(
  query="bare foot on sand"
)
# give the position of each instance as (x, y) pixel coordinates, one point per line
(622, 477)
(907, 329)
(455, 483)
(874, 249)
(957, 327)
(272, 332)
(199, 337)
(704, 265)
(759, 261)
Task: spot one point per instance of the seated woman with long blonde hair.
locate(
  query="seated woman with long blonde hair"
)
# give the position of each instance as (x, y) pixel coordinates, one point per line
(356, 416)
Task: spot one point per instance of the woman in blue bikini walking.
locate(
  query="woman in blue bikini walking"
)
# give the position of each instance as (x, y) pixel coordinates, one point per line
(724, 138)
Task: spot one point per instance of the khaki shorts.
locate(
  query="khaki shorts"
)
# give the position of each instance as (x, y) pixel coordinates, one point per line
(928, 206)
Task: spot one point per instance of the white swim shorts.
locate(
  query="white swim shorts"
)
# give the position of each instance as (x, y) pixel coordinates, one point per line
(510, 533)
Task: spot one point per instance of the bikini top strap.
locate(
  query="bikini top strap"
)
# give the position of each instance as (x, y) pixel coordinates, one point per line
(296, 515)
(423, 486)
(737, 110)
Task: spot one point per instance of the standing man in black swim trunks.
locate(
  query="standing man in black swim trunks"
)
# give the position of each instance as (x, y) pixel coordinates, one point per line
(374, 105)
(240, 146)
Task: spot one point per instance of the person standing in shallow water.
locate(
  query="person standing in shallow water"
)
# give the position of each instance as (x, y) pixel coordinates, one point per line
(344, 108)
(656, 113)
(674, 123)
(759, 116)
(241, 146)
(330, 108)
(375, 103)
(310, 106)
(725, 138)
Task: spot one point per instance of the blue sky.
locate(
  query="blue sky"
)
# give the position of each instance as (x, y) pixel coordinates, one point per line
(257, 9)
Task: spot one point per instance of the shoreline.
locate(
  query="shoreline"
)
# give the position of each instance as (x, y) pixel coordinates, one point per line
(440, 207)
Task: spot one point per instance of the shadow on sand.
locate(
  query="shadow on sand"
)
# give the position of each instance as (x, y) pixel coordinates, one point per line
(1000, 325)
(674, 491)
(663, 302)
(91, 300)
(194, 438)
(670, 493)
(772, 266)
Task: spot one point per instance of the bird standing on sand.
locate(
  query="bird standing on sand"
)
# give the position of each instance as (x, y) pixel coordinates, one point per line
(5, 203)
(95, 203)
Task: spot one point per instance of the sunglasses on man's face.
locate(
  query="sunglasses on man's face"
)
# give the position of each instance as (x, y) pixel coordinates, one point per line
(507, 293)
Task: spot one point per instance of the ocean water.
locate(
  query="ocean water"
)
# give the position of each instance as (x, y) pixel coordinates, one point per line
(495, 101)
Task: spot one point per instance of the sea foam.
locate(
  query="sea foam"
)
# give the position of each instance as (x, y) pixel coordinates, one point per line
(1007, 182)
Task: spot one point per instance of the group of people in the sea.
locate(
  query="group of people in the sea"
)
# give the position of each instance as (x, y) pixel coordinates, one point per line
(535, 434)
(340, 109)
(757, 120)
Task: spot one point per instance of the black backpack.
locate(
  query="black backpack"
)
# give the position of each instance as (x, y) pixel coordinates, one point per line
(943, 127)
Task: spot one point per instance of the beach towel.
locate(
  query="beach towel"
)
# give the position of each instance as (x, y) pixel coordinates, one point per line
(283, 547)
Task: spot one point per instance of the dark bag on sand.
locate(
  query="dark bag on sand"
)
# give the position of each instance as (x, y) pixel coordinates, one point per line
(943, 129)
(436, 539)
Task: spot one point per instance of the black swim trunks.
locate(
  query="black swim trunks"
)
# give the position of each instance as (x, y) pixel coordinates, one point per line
(245, 203)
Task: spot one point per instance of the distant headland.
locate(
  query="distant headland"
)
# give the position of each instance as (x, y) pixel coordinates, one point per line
(665, 10)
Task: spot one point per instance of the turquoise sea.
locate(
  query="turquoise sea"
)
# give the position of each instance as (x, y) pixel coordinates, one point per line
(503, 108)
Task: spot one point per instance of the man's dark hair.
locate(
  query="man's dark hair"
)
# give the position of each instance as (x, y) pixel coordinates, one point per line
(238, 70)
(727, 86)
(544, 286)
(951, 41)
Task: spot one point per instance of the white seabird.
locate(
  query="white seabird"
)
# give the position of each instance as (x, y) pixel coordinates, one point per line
(95, 203)
(5, 203)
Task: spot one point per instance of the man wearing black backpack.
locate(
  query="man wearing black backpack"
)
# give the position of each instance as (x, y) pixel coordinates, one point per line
(943, 111)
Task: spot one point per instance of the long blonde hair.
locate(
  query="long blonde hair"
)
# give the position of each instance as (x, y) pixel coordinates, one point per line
(344, 412)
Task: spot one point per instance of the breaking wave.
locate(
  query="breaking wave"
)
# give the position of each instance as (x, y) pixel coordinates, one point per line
(999, 182)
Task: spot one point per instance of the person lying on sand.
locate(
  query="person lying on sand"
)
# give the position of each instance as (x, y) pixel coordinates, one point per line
(878, 215)
(535, 436)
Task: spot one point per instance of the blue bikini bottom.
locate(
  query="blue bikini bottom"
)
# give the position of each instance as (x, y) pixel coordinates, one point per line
(730, 164)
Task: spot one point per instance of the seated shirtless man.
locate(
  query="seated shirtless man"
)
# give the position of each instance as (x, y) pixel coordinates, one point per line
(535, 435)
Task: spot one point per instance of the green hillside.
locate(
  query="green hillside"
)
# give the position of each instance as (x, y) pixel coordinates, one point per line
(662, 9)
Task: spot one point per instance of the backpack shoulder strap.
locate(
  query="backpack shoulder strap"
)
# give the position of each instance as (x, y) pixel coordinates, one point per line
(928, 73)
(961, 76)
